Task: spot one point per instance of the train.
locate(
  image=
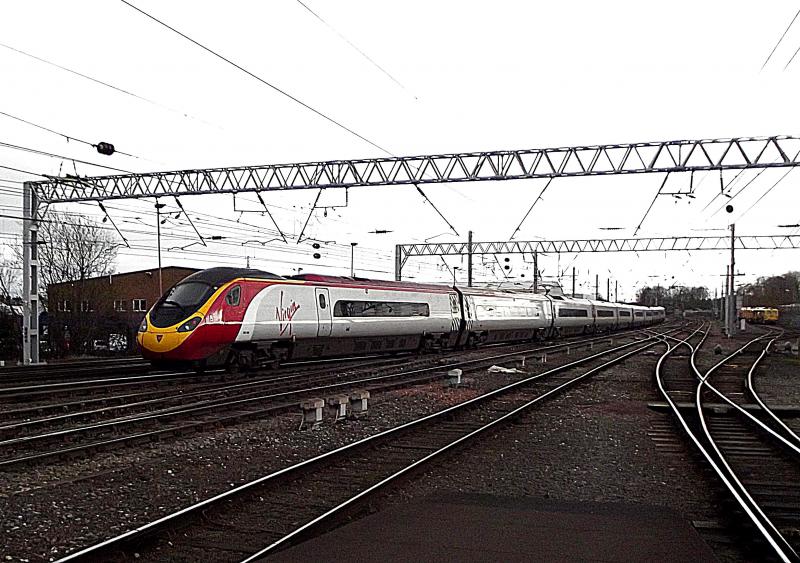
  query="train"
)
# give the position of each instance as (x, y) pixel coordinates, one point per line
(242, 318)
(759, 315)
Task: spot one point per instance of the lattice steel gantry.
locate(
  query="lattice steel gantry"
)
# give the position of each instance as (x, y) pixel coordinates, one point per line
(533, 247)
(594, 160)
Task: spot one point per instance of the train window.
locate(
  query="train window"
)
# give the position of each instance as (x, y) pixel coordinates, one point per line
(573, 313)
(602, 313)
(638, 314)
(624, 313)
(380, 309)
(234, 295)
(321, 301)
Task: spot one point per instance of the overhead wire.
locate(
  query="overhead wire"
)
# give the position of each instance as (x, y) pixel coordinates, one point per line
(778, 181)
(346, 40)
(60, 157)
(646, 213)
(738, 193)
(287, 95)
(258, 78)
(106, 84)
(67, 137)
(22, 171)
(780, 40)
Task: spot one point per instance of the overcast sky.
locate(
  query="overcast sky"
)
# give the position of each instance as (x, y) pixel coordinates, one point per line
(457, 76)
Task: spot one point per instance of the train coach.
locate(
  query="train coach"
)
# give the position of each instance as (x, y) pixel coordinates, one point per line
(243, 318)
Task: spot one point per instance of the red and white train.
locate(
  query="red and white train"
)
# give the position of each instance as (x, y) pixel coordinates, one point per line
(243, 317)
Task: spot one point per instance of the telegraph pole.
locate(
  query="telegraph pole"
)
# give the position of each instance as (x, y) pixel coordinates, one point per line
(616, 290)
(596, 286)
(469, 260)
(608, 289)
(536, 272)
(726, 297)
(732, 291)
(573, 281)
(158, 228)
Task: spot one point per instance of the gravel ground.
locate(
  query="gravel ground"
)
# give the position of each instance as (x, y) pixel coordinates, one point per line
(50, 510)
(589, 444)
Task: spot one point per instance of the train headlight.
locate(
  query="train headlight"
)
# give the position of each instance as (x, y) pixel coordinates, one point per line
(143, 326)
(189, 325)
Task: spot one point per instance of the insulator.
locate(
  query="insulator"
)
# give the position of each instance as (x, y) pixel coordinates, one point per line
(105, 148)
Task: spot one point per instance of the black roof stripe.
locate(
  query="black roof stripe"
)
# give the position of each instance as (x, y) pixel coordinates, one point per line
(218, 276)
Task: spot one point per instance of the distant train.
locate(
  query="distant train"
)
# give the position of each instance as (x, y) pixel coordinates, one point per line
(243, 318)
(759, 315)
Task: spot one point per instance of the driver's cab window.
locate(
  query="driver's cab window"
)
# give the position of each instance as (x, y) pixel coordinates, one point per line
(233, 297)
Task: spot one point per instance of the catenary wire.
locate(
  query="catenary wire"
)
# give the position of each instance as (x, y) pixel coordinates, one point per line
(781, 39)
(346, 40)
(106, 84)
(59, 156)
(288, 95)
(258, 78)
(67, 137)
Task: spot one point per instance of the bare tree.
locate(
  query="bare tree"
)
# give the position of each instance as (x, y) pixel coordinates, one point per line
(9, 280)
(10, 320)
(72, 248)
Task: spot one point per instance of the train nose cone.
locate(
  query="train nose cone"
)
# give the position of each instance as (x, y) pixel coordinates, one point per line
(162, 341)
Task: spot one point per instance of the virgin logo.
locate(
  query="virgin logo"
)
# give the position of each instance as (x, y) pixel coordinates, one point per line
(285, 315)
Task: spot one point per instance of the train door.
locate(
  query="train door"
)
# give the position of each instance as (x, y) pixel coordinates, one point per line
(233, 310)
(324, 311)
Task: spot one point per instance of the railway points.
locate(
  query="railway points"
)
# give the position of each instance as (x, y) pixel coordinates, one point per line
(745, 449)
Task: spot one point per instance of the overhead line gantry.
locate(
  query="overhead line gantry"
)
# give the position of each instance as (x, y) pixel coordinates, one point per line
(645, 244)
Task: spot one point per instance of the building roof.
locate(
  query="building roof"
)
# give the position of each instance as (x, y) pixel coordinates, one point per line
(122, 274)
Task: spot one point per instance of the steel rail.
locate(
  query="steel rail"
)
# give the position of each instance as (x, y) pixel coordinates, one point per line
(133, 379)
(328, 515)
(95, 551)
(708, 457)
(704, 382)
(782, 547)
(211, 388)
(216, 405)
(751, 388)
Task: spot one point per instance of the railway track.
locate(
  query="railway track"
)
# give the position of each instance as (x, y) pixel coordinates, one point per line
(99, 388)
(276, 510)
(18, 375)
(250, 400)
(752, 454)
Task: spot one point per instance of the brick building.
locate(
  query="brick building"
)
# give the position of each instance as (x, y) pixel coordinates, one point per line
(104, 312)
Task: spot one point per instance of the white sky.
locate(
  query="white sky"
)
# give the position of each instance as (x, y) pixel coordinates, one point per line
(475, 76)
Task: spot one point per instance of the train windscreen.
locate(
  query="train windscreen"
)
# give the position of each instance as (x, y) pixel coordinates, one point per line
(179, 303)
